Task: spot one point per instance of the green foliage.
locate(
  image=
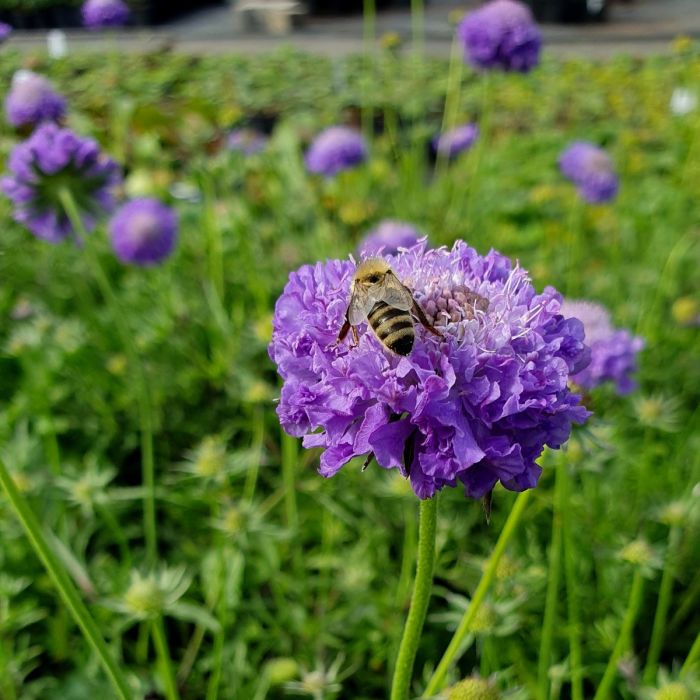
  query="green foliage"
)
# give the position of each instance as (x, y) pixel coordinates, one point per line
(265, 589)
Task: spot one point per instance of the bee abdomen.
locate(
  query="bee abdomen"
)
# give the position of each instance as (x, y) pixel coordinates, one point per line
(393, 327)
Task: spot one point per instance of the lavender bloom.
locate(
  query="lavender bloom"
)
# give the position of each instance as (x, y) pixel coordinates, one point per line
(476, 406)
(613, 351)
(32, 99)
(5, 31)
(501, 34)
(591, 170)
(143, 232)
(50, 160)
(454, 141)
(387, 237)
(101, 14)
(335, 149)
(246, 141)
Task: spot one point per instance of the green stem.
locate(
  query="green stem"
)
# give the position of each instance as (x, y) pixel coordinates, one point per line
(623, 639)
(693, 657)
(289, 462)
(453, 93)
(369, 28)
(144, 397)
(550, 607)
(435, 683)
(163, 654)
(403, 671)
(418, 26)
(662, 606)
(572, 599)
(63, 583)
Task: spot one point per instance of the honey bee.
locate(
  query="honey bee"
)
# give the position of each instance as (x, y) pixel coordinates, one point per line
(378, 296)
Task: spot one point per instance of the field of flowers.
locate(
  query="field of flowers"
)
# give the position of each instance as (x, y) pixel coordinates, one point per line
(161, 534)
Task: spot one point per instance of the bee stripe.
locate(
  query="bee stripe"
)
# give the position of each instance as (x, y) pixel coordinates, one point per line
(384, 330)
(382, 312)
(401, 341)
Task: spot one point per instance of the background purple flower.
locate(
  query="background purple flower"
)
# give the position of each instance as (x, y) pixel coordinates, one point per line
(454, 141)
(591, 170)
(387, 237)
(246, 141)
(501, 34)
(100, 14)
(5, 31)
(50, 160)
(613, 351)
(335, 149)
(475, 407)
(143, 231)
(32, 99)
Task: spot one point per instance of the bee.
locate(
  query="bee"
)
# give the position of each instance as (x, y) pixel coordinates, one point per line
(378, 296)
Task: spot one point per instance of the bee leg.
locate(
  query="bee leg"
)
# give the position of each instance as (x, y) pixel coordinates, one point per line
(370, 457)
(418, 313)
(486, 502)
(356, 336)
(343, 332)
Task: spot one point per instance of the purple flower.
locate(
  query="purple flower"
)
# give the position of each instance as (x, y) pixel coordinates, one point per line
(335, 149)
(387, 237)
(143, 232)
(454, 141)
(100, 14)
(476, 406)
(5, 31)
(32, 99)
(591, 170)
(501, 34)
(613, 351)
(50, 161)
(246, 141)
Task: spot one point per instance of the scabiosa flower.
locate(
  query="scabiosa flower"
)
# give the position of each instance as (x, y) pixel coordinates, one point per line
(246, 141)
(32, 99)
(476, 406)
(613, 351)
(53, 159)
(5, 31)
(455, 141)
(334, 150)
(591, 170)
(143, 231)
(100, 14)
(387, 237)
(501, 34)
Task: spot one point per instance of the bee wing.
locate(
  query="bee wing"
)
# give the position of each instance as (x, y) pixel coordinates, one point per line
(360, 305)
(395, 294)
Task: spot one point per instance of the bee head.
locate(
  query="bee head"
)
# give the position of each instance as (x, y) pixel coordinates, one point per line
(370, 272)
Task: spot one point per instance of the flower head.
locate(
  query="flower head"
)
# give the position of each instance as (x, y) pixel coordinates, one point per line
(613, 350)
(100, 14)
(387, 237)
(246, 141)
(455, 141)
(50, 161)
(501, 34)
(473, 688)
(477, 405)
(591, 170)
(32, 99)
(143, 231)
(334, 150)
(5, 31)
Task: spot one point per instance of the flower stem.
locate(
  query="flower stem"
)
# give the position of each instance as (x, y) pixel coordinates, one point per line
(63, 583)
(572, 599)
(453, 94)
(435, 683)
(289, 462)
(693, 657)
(623, 639)
(662, 606)
(403, 671)
(550, 607)
(144, 397)
(166, 667)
